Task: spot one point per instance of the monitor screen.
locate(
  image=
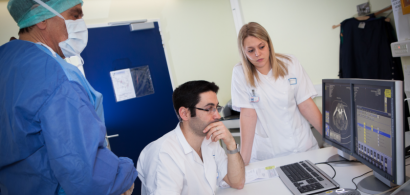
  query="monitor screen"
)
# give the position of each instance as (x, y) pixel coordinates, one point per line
(338, 115)
(374, 120)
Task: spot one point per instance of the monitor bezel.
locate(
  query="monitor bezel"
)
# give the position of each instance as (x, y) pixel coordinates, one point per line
(397, 177)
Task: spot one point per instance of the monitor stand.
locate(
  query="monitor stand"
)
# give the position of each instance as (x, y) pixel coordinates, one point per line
(374, 184)
(340, 156)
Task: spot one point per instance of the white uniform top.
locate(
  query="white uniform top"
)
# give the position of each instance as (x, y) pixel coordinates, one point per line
(280, 128)
(169, 166)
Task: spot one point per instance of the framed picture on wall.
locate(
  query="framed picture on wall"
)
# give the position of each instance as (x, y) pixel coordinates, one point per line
(405, 4)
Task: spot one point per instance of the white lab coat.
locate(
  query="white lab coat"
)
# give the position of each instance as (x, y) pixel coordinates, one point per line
(280, 128)
(169, 166)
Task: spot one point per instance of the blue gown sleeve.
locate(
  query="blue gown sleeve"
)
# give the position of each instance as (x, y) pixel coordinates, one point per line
(74, 138)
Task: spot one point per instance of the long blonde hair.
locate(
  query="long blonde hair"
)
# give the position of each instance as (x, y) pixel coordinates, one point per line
(279, 68)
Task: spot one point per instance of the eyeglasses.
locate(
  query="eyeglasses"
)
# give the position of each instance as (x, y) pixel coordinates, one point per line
(211, 110)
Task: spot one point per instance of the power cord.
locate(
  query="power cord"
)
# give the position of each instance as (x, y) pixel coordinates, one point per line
(327, 163)
(352, 161)
(358, 177)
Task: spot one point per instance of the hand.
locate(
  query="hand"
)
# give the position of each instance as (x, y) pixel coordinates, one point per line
(218, 131)
(129, 191)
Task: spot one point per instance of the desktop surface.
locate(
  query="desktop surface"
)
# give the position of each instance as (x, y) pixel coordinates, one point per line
(344, 174)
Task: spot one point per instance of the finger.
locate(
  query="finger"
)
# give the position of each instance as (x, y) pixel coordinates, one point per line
(216, 134)
(211, 131)
(214, 124)
(209, 127)
(218, 137)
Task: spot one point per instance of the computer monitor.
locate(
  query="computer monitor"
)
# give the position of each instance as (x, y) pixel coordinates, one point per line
(364, 118)
(337, 116)
(379, 136)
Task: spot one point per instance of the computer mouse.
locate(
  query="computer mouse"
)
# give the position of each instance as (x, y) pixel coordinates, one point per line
(341, 191)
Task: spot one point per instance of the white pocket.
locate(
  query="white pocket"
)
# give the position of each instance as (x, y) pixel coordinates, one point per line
(262, 148)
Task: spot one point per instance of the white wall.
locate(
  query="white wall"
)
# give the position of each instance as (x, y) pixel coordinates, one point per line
(200, 37)
(8, 27)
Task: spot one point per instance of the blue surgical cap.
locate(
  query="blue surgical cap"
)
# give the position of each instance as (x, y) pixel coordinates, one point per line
(28, 13)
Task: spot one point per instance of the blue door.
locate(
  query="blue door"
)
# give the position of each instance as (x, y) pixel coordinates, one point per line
(138, 121)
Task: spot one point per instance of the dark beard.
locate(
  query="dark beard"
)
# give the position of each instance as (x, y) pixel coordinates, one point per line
(198, 126)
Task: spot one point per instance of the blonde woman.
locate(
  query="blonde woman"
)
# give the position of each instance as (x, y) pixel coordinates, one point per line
(274, 95)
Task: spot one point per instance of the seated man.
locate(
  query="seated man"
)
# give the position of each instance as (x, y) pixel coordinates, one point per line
(189, 159)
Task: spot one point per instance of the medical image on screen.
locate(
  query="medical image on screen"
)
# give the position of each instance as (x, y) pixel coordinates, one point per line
(374, 125)
(337, 114)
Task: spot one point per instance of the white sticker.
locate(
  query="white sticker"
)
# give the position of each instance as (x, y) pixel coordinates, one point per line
(293, 81)
(361, 25)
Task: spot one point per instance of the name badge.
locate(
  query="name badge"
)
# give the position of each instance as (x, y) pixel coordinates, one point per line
(254, 98)
(293, 81)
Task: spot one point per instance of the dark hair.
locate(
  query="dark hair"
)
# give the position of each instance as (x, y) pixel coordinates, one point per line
(187, 94)
(25, 30)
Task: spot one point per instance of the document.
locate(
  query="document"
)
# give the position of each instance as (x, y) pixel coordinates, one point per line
(406, 71)
(123, 84)
(401, 21)
(255, 175)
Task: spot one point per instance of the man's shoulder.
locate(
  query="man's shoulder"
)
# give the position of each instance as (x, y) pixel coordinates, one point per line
(164, 144)
(167, 146)
(19, 47)
(24, 54)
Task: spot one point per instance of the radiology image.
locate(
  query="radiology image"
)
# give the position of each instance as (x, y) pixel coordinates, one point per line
(339, 123)
(338, 114)
(340, 120)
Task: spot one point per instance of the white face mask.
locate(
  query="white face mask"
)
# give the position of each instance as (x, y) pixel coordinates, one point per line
(77, 35)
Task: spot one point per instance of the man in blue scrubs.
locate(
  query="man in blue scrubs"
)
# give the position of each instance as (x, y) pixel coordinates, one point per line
(52, 128)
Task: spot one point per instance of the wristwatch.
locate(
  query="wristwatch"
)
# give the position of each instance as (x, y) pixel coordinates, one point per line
(233, 151)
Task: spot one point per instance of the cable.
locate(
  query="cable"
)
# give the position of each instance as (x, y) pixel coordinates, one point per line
(358, 177)
(328, 163)
(353, 161)
(331, 161)
(330, 166)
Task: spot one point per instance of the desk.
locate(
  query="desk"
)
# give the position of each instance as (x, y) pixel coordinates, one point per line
(344, 174)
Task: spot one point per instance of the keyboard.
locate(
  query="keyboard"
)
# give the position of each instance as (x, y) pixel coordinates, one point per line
(304, 177)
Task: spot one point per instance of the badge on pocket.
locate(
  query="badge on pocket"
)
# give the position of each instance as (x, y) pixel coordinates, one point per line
(254, 98)
(293, 81)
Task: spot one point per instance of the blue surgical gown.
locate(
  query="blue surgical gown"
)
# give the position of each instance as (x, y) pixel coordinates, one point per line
(52, 128)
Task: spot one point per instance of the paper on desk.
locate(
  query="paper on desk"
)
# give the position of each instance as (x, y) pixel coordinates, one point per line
(123, 85)
(255, 175)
